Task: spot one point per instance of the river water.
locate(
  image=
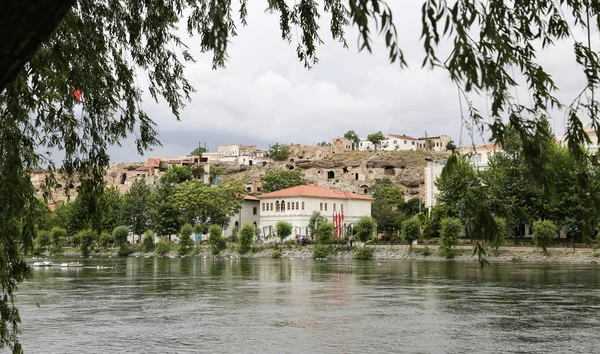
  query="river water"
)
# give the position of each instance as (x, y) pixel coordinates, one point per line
(162, 305)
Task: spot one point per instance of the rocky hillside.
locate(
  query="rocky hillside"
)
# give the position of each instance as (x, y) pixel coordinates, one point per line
(354, 171)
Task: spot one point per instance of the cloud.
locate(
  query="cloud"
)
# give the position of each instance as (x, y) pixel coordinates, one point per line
(265, 95)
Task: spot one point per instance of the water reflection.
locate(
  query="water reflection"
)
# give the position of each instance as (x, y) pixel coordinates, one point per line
(157, 305)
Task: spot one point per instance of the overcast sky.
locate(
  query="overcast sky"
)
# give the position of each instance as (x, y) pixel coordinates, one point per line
(266, 96)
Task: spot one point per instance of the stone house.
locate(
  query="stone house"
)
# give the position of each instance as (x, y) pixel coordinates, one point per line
(341, 145)
(434, 143)
(296, 205)
(395, 142)
(253, 184)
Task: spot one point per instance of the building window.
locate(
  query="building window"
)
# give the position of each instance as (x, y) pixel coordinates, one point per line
(282, 206)
(412, 143)
(321, 206)
(302, 205)
(292, 205)
(277, 206)
(395, 142)
(254, 210)
(263, 206)
(271, 206)
(333, 206)
(297, 205)
(288, 207)
(404, 142)
(325, 206)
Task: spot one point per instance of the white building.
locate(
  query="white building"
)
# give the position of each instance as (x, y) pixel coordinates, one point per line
(296, 205)
(395, 142)
(480, 155)
(248, 214)
(365, 145)
(432, 172)
(434, 143)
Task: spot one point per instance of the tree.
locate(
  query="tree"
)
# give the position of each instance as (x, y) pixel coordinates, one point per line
(86, 239)
(245, 239)
(120, 234)
(177, 174)
(135, 207)
(411, 231)
(323, 143)
(353, 137)
(104, 239)
(163, 216)
(384, 209)
(543, 234)
(215, 239)
(364, 229)
(279, 152)
(148, 242)
(185, 239)
(284, 230)
(275, 180)
(451, 146)
(375, 139)
(198, 151)
(325, 233)
(315, 220)
(194, 202)
(103, 66)
(450, 228)
(213, 174)
(111, 204)
(502, 229)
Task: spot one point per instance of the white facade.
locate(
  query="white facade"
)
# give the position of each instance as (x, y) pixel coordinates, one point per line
(396, 142)
(432, 172)
(300, 202)
(248, 214)
(229, 150)
(365, 145)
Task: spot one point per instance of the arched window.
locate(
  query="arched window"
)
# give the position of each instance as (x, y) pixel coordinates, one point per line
(237, 225)
(277, 206)
(282, 206)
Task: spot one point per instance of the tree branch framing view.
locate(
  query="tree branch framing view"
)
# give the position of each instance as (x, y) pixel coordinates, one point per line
(69, 82)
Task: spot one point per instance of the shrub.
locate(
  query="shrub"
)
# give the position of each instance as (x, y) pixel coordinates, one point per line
(411, 230)
(163, 247)
(215, 239)
(234, 235)
(320, 251)
(76, 240)
(86, 238)
(185, 239)
(120, 234)
(364, 253)
(125, 250)
(284, 230)
(364, 228)
(543, 234)
(450, 228)
(42, 241)
(104, 239)
(325, 233)
(246, 236)
(148, 241)
(425, 251)
(275, 254)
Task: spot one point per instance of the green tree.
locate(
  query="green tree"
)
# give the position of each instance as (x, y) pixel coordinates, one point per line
(104, 239)
(275, 180)
(215, 239)
(502, 230)
(58, 236)
(148, 242)
(325, 233)
(86, 240)
(163, 217)
(384, 208)
(411, 231)
(284, 230)
(323, 143)
(375, 139)
(450, 228)
(198, 151)
(177, 174)
(163, 247)
(135, 207)
(42, 241)
(245, 239)
(315, 220)
(279, 152)
(364, 229)
(120, 234)
(185, 239)
(543, 234)
(353, 137)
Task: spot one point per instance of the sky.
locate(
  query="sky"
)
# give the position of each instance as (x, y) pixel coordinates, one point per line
(266, 96)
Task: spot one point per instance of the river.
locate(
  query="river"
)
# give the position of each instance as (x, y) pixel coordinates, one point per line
(163, 305)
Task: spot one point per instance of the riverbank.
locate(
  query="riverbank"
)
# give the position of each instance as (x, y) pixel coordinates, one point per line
(523, 254)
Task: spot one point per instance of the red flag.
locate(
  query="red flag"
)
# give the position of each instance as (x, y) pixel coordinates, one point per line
(76, 93)
(338, 220)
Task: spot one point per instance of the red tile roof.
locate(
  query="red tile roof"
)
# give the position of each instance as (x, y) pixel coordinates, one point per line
(314, 191)
(403, 137)
(250, 197)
